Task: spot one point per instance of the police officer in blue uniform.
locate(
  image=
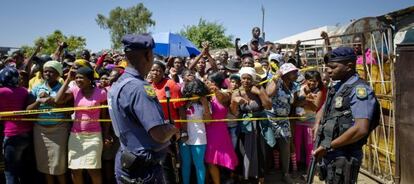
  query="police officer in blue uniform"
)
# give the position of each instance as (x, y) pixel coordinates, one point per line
(350, 113)
(137, 117)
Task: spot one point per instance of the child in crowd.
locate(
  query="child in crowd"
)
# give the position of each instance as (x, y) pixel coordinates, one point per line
(194, 148)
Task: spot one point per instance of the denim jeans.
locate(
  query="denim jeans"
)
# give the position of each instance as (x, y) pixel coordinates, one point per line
(19, 159)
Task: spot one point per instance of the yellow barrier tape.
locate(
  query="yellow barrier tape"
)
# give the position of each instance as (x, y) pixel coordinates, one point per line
(53, 119)
(65, 109)
(183, 99)
(178, 121)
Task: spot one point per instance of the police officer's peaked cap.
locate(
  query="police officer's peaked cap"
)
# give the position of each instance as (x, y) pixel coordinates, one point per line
(341, 54)
(138, 42)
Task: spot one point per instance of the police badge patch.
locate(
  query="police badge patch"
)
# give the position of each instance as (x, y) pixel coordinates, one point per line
(361, 92)
(150, 91)
(338, 102)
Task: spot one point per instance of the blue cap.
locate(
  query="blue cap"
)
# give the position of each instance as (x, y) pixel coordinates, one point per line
(138, 42)
(341, 54)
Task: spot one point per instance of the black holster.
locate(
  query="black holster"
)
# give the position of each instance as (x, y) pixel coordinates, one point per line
(322, 170)
(127, 180)
(137, 162)
(343, 171)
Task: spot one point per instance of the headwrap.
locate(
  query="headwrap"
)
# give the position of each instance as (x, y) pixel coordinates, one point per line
(277, 57)
(235, 77)
(248, 70)
(85, 63)
(259, 70)
(123, 64)
(9, 77)
(55, 65)
(287, 67)
(81, 63)
(110, 66)
(87, 72)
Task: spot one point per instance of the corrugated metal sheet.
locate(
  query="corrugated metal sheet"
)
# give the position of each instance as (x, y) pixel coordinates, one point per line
(309, 34)
(404, 113)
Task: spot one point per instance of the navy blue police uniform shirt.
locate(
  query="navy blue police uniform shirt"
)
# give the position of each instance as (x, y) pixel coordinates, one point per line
(362, 106)
(362, 98)
(136, 110)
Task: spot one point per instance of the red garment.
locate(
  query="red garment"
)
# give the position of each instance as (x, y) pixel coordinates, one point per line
(175, 93)
(324, 91)
(100, 61)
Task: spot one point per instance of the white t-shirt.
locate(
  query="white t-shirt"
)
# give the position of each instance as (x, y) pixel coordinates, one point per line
(196, 130)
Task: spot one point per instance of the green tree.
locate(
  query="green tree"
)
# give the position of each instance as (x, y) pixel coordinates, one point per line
(121, 21)
(50, 43)
(208, 31)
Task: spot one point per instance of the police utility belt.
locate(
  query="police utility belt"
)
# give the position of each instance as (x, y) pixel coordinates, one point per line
(133, 162)
(341, 170)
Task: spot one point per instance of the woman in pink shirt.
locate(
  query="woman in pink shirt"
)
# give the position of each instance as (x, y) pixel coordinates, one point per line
(17, 142)
(85, 140)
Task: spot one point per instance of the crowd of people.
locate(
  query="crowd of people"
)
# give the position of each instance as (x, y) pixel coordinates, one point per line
(260, 83)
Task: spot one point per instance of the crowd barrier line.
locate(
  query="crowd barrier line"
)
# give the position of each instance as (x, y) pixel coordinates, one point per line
(178, 121)
(65, 109)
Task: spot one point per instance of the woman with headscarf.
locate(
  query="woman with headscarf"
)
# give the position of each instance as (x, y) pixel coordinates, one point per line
(85, 140)
(84, 63)
(17, 142)
(51, 137)
(283, 92)
(250, 101)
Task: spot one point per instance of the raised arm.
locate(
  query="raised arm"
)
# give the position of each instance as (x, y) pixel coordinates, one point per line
(194, 63)
(223, 97)
(297, 54)
(271, 87)
(211, 60)
(64, 95)
(236, 45)
(28, 61)
(327, 43)
(59, 49)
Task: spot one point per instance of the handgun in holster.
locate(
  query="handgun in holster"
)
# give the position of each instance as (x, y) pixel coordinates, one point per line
(343, 170)
(134, 162)
(322, 170)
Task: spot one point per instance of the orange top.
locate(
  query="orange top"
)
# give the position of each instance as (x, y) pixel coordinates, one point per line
(175, 93)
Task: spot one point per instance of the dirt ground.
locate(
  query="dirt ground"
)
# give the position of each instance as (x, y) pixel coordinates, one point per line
(276, 178)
